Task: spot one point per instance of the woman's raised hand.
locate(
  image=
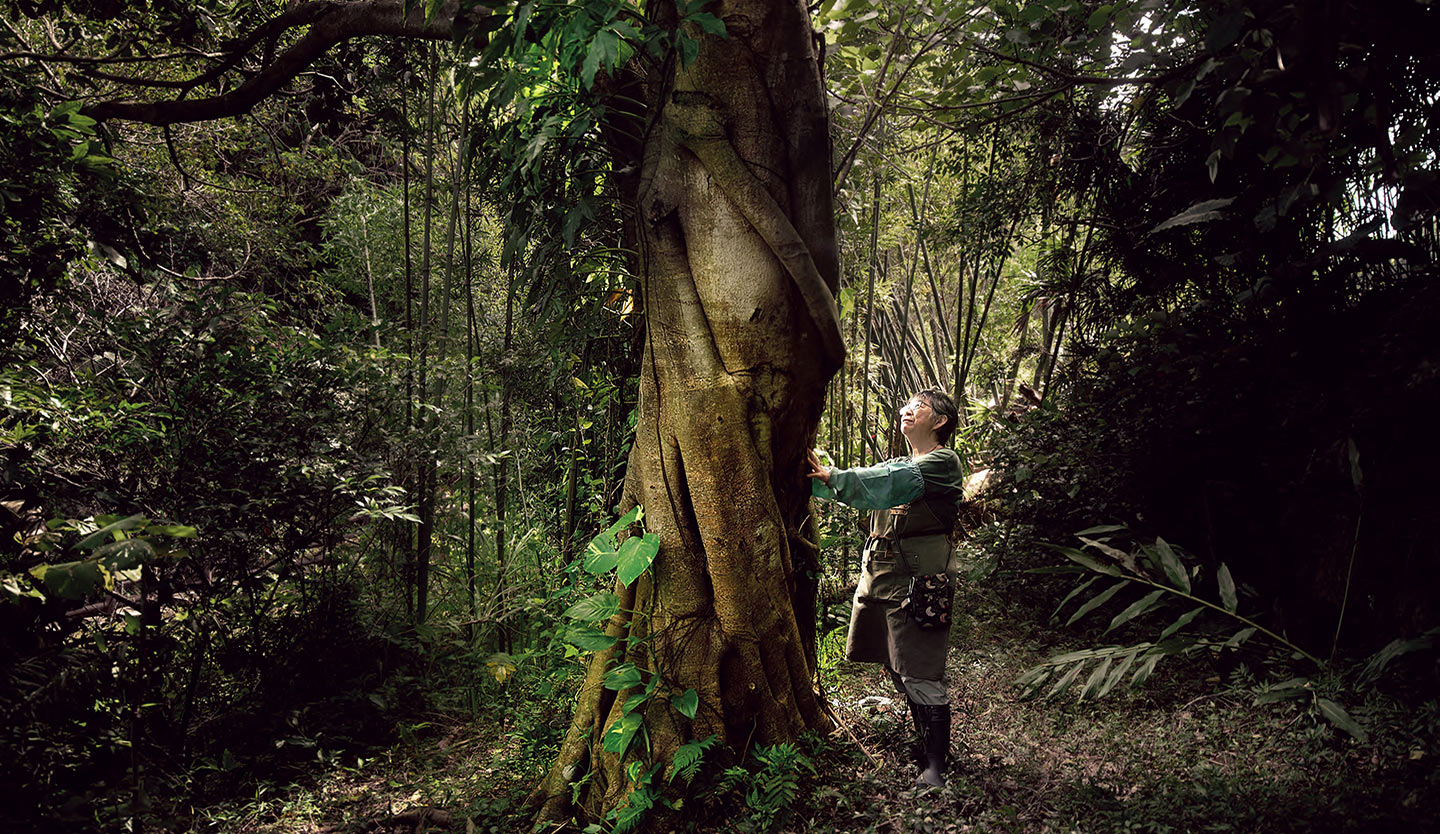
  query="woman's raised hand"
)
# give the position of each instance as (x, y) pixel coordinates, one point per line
(817, 469)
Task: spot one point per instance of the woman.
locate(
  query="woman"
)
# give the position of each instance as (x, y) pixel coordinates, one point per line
(915, 500)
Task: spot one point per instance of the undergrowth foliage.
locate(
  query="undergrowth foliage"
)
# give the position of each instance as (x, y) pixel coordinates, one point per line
(771, 785)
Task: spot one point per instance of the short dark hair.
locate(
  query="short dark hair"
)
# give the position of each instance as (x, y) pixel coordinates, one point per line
(941, 404)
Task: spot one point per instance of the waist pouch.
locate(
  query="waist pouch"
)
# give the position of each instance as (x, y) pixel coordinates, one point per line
(928, 601)
(929, 597)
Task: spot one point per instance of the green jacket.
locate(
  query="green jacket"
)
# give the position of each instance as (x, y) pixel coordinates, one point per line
(914, 503)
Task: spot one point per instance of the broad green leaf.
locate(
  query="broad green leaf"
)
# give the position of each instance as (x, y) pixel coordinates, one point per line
(599, 561)
(588, 639)
(634, 702)
(689, 48)
(73, 580)
(708, 23)
(636, 555)
(1336, 714)
(601, 606)
(605, 542)
(622, 732)
(100, 536)
(622, 677)
(1285, 691)
(635, 516)
(1172, 566)
(124, 554)
(601, 53)
(174, 531)
(1225, 30)
(1202, 212)
(1182, 91)
(686, 703)
(1239, 637)
(1099, 600)
(1227, 588)
(1103, 528)
(1182, 621)
(1135, 609)
(1397, 648)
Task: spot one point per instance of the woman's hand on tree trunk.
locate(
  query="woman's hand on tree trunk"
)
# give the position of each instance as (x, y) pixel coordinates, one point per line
(817, 469)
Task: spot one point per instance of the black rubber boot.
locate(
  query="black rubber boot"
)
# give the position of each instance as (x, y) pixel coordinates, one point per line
(915, 747)
(935, 738)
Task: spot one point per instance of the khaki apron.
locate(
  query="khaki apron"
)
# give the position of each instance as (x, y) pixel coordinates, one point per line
(903, 539)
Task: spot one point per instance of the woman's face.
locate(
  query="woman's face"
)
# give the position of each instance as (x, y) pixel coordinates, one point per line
(918, 421)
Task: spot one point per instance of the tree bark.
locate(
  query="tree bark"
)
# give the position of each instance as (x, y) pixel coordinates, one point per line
(738, 269)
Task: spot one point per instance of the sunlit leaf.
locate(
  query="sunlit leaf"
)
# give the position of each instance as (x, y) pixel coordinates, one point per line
(176, 531)
(601, 606)
(72, 580)
(107, 532)
(636, 556)
(622, 677)
(1113, 552)
(622, 732)
(501, 666)
(599, 561)
(588, 639)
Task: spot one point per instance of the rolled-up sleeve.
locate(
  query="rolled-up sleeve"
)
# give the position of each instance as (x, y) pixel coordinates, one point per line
(878, 487)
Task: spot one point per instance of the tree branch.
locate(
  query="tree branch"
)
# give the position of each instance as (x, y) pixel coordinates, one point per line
(330, 22)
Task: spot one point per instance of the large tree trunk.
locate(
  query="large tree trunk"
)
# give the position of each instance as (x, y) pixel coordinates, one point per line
(738, 263)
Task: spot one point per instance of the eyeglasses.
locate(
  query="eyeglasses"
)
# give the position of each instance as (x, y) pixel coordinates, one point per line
(916, 405)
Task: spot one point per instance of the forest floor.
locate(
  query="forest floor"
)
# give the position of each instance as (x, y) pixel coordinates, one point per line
(1188, 753)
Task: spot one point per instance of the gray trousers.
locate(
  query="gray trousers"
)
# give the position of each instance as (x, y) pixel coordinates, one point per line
(918, 690)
